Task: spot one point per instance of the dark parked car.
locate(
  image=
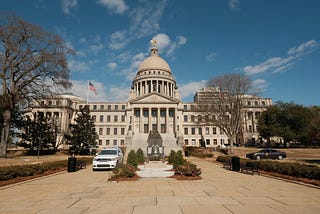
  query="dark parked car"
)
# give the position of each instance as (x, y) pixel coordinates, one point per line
(267, 153)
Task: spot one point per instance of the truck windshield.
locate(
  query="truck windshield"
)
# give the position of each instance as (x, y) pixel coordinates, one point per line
(108, 152)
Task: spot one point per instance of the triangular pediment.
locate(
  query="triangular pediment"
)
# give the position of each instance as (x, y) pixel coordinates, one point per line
(154, 98)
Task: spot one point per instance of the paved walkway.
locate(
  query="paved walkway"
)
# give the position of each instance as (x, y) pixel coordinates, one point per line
(220, 191)
(155, 170)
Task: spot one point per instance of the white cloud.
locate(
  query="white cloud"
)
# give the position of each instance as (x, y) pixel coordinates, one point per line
(189, 89)
(165, 45)
(67, 5)
(131, 72)
(163, 41)
(259, 85)
(181, 40)
(118, 93)
(144, 21)
(78, 66)
(211, 57)
(114, 6)
(112, 65)
(304, 48)
(234, 4)
(280, 64)
(118, 40)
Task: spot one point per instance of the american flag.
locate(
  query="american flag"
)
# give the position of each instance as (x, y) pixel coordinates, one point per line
(92, 88)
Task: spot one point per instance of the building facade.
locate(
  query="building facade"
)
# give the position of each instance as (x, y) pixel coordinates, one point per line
(154, 105)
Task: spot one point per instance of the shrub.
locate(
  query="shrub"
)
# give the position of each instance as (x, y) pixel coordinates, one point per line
(172, 157)
(179, 160)
(188, 169)
(198, 152)
(123, 171)
(132, 159)
(285, 168)
(140, 156)
(10, 172)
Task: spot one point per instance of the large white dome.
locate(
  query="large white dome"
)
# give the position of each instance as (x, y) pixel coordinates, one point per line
(154, 62)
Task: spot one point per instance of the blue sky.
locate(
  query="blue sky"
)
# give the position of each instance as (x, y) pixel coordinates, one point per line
(276, 43)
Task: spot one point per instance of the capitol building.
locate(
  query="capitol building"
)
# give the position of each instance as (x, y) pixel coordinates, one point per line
(154, 110)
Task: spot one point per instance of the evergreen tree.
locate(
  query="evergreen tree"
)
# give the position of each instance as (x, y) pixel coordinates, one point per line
(37, 134)
(83, 133)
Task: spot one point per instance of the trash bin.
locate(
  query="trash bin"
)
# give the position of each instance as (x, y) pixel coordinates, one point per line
(235, 163)
(72, 163)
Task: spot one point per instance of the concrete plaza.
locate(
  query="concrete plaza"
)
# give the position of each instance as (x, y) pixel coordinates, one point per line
(219, 191)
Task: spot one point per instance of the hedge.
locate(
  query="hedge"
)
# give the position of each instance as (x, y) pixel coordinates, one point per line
(10, 172)
(297, 170)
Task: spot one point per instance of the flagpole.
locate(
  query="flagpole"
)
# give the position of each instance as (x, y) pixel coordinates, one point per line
(87, 91)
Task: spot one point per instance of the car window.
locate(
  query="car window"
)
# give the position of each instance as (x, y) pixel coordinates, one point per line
(108, 152)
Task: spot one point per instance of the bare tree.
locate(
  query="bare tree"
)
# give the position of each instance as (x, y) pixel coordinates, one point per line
(222, 105)
(33, 63)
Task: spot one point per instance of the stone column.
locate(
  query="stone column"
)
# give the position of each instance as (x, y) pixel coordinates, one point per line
(158, 120)
(141, 121)
(167, 120)
(149, 120)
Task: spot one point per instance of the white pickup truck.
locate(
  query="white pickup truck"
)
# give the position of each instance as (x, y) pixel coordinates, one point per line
(108, 158)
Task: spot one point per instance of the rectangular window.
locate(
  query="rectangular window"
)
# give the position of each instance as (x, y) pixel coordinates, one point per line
(186, 142)
(146, 128)
(108, 118)
(154, 127)
(101, 107)
(108, 131)
(109, 107)
(115, 118)
(122, 131)
(207, 131)
(192, 118)
(185, 118)
(123, 107)
(146, 112)
(162, 112)
(221, 131)
(107, 142)
(122, 142)
(186, 131)
(185, 107)
(171, 113)
(163, 128)
(100, 142)
(94, 118)
(207, 142)
(193, 131)
(116, 107)
(94, 107)
(100, 131)
(154, 112)
(200, 131)
(115, 142)
(123, 118)
(101, 118)
(115, 131)
(137, 112)
(214, 130)
(215, 142)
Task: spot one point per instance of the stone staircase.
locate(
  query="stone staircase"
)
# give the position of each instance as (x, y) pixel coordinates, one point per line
(140, 141)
